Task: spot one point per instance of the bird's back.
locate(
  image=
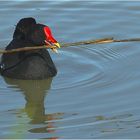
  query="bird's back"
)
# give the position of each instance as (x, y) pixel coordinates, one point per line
(27, 65)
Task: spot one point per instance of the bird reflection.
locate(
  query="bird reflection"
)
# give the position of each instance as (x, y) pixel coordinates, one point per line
(35, 92)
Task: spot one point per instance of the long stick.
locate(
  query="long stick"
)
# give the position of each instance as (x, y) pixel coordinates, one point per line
(98, 41)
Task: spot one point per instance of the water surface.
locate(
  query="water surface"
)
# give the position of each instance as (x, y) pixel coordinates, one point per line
(96, 91)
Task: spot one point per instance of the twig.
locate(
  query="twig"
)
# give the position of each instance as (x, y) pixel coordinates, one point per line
(24, 49)
(87, 42)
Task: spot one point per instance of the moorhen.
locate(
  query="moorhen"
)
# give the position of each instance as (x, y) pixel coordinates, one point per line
(32, 65)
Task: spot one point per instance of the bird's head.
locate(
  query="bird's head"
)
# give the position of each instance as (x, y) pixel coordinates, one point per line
(37, 34)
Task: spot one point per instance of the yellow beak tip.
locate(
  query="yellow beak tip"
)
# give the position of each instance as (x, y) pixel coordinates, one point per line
(57, 44)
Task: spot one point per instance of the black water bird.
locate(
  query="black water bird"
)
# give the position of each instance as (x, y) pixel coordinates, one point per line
(35, 64)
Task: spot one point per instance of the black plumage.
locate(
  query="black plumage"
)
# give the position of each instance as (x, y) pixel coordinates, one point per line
(32, 64)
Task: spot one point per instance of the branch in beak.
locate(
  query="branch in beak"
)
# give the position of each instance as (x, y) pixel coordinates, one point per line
(54, 46)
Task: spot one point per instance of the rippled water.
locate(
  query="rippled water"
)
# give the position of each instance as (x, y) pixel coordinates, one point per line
(96, 91)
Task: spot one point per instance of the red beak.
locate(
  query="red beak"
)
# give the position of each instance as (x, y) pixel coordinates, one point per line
(49, 37)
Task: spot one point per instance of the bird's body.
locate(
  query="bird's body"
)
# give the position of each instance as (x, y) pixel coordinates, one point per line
(35, 64)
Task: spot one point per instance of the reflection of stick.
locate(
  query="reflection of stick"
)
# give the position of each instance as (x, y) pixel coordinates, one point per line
(87, 42)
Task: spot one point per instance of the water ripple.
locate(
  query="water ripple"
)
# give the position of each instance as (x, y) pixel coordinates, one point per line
(83, 66)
